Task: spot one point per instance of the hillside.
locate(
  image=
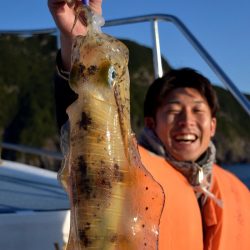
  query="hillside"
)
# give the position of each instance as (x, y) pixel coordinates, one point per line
(27, 105)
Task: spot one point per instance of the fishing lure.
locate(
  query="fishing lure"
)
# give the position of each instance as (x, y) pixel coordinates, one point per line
(115, 202)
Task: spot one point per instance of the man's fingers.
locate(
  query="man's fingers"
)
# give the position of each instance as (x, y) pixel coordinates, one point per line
(55, 4)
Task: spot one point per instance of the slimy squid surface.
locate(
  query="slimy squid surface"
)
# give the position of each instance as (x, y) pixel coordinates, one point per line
(115, 202)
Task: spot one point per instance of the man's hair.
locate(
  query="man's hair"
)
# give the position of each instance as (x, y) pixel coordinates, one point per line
(178, 78)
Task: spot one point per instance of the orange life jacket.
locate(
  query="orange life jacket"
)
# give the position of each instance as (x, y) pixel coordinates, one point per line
(181, 224)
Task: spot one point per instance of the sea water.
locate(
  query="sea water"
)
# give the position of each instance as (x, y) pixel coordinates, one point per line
(242, 171)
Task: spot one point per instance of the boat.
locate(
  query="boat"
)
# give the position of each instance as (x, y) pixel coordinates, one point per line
(34, 208)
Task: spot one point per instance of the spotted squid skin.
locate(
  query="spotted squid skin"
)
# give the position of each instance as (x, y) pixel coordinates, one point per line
(115, 202)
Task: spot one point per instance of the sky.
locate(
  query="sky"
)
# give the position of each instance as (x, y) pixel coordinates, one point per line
(222, 27)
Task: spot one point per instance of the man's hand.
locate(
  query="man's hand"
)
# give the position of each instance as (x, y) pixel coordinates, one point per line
(64, 16)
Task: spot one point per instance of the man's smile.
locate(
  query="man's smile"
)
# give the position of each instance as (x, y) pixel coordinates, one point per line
(185, 138)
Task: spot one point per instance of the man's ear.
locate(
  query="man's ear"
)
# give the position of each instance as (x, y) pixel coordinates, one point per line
(213, 126)
(149, 122)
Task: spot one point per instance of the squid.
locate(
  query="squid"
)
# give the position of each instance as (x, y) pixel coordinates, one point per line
(115, 202)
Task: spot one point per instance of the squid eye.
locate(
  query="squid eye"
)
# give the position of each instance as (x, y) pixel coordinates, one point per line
(111, 75)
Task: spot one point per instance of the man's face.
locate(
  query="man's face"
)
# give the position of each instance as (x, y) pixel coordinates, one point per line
(184, 124)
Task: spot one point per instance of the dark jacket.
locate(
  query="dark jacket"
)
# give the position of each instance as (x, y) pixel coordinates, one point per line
(183, 224)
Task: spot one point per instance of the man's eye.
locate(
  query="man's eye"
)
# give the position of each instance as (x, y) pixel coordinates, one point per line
(173, 111)
(198, 110)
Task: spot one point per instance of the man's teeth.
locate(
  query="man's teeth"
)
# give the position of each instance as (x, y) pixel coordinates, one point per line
(187, 137)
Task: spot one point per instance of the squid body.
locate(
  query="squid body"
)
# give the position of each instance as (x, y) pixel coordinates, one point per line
(115, 202)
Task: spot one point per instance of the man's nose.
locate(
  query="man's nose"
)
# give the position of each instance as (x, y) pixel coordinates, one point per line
(186, 118)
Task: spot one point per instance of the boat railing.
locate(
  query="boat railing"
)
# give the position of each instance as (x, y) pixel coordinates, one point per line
(153, 19)
(32, 150)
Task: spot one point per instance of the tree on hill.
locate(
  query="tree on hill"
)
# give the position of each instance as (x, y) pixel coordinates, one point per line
(27, 113)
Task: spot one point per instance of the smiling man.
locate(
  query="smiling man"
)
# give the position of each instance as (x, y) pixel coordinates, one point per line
(206, 207)
(184, 124)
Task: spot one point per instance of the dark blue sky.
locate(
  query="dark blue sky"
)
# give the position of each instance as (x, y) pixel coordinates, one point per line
(221, 26)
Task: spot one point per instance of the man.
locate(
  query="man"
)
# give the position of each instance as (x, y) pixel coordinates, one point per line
(205, 206)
